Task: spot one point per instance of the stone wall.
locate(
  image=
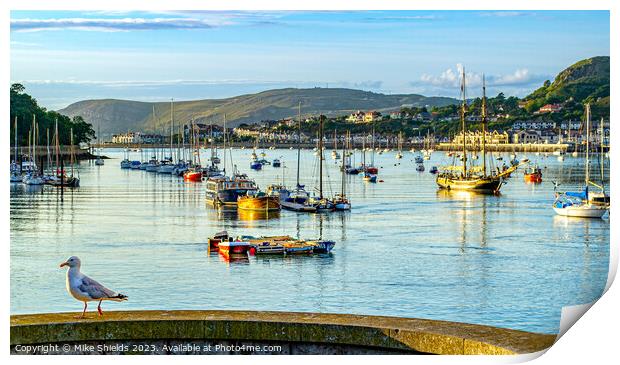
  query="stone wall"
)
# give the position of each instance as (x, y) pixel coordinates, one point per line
(248, 332)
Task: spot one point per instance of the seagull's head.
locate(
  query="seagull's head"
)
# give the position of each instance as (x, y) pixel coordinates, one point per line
(72, 261)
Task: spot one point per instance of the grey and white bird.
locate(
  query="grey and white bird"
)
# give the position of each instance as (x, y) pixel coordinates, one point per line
(85, 289)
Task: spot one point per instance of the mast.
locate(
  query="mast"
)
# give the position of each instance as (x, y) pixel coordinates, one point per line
(34, 138)
(344, 153)
(171, 125)
(463, 106)
(57, 146)
(602, 156)
(15, 137)
(47, 139)
(321, 156)
(372, 156)
(298, 139)
(225, 146)
(71, 153)
(484, 127)
(587, 144)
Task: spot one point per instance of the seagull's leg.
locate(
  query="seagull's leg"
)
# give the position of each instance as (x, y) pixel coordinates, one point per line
(84, 312)
(99, 308)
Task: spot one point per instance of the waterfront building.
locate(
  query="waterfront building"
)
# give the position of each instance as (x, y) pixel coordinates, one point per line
(475, 138)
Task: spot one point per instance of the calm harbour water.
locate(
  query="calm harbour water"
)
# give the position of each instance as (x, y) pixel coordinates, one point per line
(406, 249)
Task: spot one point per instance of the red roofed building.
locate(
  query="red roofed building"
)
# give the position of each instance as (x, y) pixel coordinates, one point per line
(550, 108)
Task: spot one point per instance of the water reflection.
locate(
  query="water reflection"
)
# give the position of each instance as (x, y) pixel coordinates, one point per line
(405, 249)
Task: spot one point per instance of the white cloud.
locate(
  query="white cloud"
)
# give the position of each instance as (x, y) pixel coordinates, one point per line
(451, 78)
(110, 25)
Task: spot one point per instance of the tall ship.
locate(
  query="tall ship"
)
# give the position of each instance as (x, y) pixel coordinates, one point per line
(467, 176)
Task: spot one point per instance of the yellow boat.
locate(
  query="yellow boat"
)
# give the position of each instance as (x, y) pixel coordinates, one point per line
(258, 201)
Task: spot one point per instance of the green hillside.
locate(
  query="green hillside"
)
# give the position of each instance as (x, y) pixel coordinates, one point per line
(116, 116)
(585, 81)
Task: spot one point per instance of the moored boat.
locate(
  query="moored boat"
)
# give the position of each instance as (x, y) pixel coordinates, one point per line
(533, 175)
(258, 201)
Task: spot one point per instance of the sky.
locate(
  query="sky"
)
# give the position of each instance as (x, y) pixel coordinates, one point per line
(66, 56)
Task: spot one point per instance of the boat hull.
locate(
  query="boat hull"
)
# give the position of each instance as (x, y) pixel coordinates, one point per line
(484, 185)
(581, 211)
(262, 203)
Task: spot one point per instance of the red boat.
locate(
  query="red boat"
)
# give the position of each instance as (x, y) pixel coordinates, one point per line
(371, 170)
(215, 241)
(234, 247)
(195, 176)
(534, 175)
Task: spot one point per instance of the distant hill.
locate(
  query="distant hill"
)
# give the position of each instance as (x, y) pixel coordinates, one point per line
(585, 81)
(117, 116)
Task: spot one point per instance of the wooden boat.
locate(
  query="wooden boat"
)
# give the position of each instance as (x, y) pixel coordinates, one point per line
(258, 201)
(224, 190)
(466, 176)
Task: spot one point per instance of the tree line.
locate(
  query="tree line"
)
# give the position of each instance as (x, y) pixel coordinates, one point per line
(25, 108)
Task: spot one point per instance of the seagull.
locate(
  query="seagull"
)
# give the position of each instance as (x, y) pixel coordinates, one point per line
(85, 289)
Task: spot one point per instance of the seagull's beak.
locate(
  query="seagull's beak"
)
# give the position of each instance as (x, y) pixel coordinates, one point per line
(64, 264)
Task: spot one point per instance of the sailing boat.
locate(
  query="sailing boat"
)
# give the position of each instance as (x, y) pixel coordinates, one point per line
(16, 173)
(368, 176)
(298, 199)
(341, 202)
(472, 178)
(335, 154)
(584, 204)
(322, 204)
(348, 167)
(32, 176)
(99, 160)
(126, 163)
(167, 163)
(399, 155)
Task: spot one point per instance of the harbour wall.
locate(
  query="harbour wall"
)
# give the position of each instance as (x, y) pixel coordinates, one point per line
(504, 147)
(80, 154)
(260, 332)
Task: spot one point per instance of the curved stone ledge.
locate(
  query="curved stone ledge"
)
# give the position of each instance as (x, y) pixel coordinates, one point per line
(295, 332)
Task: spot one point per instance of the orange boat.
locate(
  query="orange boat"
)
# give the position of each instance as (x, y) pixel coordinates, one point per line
(258, 201)
(192, 176)
(533, 175)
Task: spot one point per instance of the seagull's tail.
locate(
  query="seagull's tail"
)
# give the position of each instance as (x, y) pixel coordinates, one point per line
(119, 297)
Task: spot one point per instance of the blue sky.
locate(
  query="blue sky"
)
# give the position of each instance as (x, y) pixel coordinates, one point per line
(66, 56)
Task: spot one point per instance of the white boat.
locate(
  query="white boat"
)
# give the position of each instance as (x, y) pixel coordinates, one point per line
(579, 209)
(16, 176)
(165, 168)
(33, 179)
(584, 204)
(99, 161)
(575, 154)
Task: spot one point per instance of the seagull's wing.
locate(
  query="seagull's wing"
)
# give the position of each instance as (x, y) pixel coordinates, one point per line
(97, 291)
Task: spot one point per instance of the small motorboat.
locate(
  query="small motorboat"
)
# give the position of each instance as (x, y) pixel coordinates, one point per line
(125, 164)
(433, 170)
(370, 177)
(341, 202)
(276, 163)
(135, 165)
(192, 175)
(419, 167)
(234, 247)
(533, 175)
(256, 165)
